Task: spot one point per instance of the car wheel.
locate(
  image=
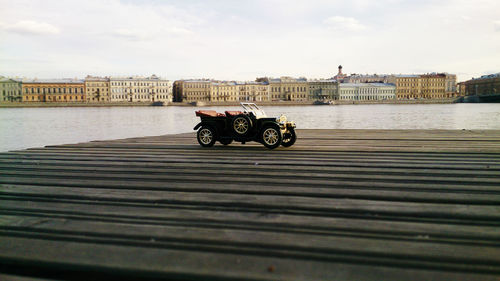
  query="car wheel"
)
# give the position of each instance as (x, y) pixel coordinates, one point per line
(226, 141)
(271, 137)
(289, 138)
(206, 136)
(241, 125)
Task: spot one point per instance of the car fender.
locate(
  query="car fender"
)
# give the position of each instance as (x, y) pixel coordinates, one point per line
(198, 126)
(205, 123)
(267, 123)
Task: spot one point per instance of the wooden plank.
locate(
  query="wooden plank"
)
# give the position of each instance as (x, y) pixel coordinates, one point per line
(258, 220)
(234, 174)
(93, 260)
(157, 166)
(338, 205)
(378, 182)
(297, 245)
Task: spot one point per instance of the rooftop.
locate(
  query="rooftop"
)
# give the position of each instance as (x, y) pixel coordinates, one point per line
(5, 79)
(323, 81)
(407, 75)
(366, 85)
(287, 80)
(489, 76)
(53, 81)
(137, 78)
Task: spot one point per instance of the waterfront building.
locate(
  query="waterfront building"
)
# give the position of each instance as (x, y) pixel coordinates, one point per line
(97, 89)
(53, 90)
(254, 91)
(288, 89)
(482, 86)
(366, 91)
(451, 85)
(461, 88)
(219, 91)
(407, 86)
(424, 86)
(10, 90)
(192, 90)
(433, 86)
(177, 90)
(360, 78)
(324, 90)
(225, 91)
(140, 89)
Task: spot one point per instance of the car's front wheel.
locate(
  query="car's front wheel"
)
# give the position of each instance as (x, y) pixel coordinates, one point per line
(206, 136)
(271, 136)
(289, 138)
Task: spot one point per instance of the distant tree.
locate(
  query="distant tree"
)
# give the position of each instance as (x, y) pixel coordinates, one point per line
(262, 79)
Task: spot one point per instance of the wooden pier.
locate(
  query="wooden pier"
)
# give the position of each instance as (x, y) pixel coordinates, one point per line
(338, 205)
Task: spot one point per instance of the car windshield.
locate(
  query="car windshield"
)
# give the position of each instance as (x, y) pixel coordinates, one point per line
(252, 107)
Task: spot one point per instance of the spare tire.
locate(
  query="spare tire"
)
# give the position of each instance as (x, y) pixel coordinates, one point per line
(241, 125)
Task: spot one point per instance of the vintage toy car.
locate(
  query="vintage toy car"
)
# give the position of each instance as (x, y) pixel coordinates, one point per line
(252, 124)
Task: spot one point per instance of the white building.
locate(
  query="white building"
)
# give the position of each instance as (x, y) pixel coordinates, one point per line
(10, 90)
(140, 89)
(367, 91)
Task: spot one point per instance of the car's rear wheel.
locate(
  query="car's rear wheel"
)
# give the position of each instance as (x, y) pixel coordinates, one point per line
(289, 138)
(241, 125)
(206, 136)
(271, 137)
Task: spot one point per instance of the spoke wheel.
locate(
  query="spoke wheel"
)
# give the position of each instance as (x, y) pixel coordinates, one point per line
(206, 136)
(241, 125)
(290, 139)
(271, 137)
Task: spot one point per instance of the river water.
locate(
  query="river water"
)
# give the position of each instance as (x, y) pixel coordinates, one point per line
(22, 128)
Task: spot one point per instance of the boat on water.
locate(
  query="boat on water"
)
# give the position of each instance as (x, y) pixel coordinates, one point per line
(158, 103)
(322, 102)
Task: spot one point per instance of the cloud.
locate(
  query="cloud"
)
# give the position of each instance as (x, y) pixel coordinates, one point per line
(30, 27)
(340, 23)
(497, 25)
(134, 34)
(131, 34)
(178, 30)
(200, 38)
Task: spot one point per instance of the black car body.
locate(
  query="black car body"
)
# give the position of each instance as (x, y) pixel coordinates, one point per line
(243, 126)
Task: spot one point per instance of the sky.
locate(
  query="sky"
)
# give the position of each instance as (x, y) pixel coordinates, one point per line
(242, 40)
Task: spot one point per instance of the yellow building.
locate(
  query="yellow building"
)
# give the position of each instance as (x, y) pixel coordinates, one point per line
(289, 89)
(433, 86)
(220, 91)
(425, 86)
(224, 91)
(254, 91)
(192, 90)
(97, 89)
(407, 86)
(60, 90)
